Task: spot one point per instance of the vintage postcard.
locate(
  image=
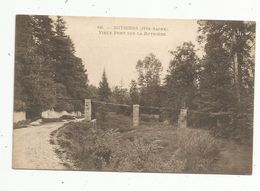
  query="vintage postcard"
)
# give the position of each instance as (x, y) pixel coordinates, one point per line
(133, 94)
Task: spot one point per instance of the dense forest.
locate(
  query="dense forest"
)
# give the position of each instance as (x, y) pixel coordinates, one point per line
(47, 72)
(218, 85)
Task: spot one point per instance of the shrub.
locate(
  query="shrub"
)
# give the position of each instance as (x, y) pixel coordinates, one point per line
(101, 116)
(136, 155)
(69, 117)
(145, 118)
(98, 149)
(105, 150)
(115, 121)
(21, 124)
(64, 105)
(169, 115)
(197, 148)
(200, 120)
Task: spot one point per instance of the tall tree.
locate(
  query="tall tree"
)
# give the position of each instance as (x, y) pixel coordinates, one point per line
(60, 27)
(32, 56)
(46, 67)
(104, 90)
(70, 75)
(236, 38)
(23, 43)
(229, 47)
(182, 80)
(149, 71)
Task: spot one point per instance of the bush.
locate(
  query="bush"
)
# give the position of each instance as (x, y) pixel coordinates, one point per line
(224, 126)
(197, 148)
(108, 152)
(112, 120)
(64, 105)
(145, 118)
(97, 149)
(21, 124)
(169, 115)
(69, 117)
(149, 118)
(101, 116)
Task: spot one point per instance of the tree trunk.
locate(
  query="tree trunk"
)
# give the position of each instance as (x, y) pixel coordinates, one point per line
(236, 71)
(240, 121)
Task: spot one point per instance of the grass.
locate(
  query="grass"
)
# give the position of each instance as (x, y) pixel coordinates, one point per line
(117, 121)
(150, 147)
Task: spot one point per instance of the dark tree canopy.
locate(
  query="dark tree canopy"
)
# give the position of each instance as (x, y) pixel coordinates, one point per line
(228, 75)
(46, 68)
(229, 48)
(182, 79)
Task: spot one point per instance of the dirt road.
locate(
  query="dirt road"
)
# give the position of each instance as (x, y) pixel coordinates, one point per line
(234, 159)
(32, 148)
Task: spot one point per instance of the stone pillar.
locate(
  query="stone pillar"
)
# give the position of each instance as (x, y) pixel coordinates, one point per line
(135, 115)
(182, 120)
(88, 109)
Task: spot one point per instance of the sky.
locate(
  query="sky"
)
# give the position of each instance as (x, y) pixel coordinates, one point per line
(114, 45)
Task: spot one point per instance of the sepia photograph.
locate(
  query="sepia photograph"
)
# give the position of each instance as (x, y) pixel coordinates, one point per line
(133, 94)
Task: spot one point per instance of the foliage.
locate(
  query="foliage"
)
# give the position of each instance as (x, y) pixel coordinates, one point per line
(182, 79)
(133, 92)
(111, 120)
(95, 149)
(104, 90)
(93, 92)
(101, 116)
(69, 69)
(34, 84)
(62, 103)
(46, 68)
(19, 105)
(21, 124)
(149, 70)
(105, 150)
(197, 148)
(228, 69)
(120, 95)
